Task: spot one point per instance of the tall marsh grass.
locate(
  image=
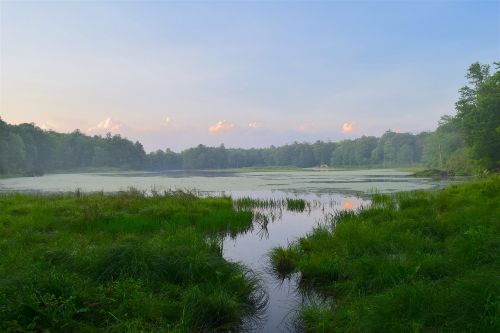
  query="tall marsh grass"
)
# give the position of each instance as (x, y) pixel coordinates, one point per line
(124, 262)
(412, 262)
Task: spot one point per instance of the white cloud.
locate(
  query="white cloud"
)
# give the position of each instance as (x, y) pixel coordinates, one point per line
(347, 127)
(47, 127)
(221, 126)
(254, 124)
(107, 124)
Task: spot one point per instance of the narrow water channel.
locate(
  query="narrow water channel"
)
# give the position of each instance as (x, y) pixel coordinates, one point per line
(252, 248)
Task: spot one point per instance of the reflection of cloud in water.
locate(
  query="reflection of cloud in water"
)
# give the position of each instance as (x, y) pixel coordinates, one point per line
(348, 204)
(276, 225)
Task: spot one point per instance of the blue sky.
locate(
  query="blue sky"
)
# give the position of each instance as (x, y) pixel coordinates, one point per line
(175, 74)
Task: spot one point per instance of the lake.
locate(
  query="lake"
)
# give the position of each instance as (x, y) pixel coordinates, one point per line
(326, 192)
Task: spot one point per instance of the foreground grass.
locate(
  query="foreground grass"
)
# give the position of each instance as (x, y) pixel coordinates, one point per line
(417, 262)
(121, 263)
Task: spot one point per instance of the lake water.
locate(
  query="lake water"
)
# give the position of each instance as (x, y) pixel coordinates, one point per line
(325, 191)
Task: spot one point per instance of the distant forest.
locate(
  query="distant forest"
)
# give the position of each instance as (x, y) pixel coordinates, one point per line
(27, 149)
(463, 143)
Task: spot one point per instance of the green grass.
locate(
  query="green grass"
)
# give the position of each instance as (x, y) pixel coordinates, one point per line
(122, 263)
(296, 205)
(291, 204)
(412, 262)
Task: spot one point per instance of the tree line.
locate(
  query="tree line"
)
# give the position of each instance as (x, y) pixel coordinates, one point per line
(464, 143)
(27, 149)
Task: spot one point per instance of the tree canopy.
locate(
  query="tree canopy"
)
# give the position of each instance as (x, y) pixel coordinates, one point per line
(478, 111)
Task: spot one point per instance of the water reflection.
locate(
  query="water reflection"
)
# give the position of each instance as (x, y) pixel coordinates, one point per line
(348, 204)
(276, 225)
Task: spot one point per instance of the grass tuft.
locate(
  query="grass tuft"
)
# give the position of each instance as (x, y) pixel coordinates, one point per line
(283, 262)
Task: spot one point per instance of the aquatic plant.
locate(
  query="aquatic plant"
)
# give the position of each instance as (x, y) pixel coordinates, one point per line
(271, 204)
(283, 261)
(297, 205)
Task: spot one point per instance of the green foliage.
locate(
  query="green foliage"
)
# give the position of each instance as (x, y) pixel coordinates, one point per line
(390, 150)
(28, 150)
(419, 262)
(122, 262)
(478, 110)
(443, 143)
(470, 141)
(354, 152)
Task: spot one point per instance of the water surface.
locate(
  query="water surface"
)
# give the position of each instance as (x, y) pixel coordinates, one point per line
(325, 191)
(252, 248)
(314, 181)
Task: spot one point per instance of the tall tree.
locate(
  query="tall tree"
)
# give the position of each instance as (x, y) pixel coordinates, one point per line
(478, 110)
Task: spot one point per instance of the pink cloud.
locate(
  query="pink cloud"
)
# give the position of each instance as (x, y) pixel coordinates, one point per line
(221, 126)
(348, 204)
(305, 126)
(107, 124)
(347, 127)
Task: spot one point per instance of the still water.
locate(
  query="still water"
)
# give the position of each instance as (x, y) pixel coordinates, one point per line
(325, 192)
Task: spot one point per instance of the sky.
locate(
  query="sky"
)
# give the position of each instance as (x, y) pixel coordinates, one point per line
(245, 74)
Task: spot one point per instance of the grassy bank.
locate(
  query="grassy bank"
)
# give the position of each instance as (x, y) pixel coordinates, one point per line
(413, 262)
(121, 263)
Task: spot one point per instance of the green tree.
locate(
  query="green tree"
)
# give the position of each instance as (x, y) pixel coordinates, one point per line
(446, 142)
(17, 153)
(478, 110)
